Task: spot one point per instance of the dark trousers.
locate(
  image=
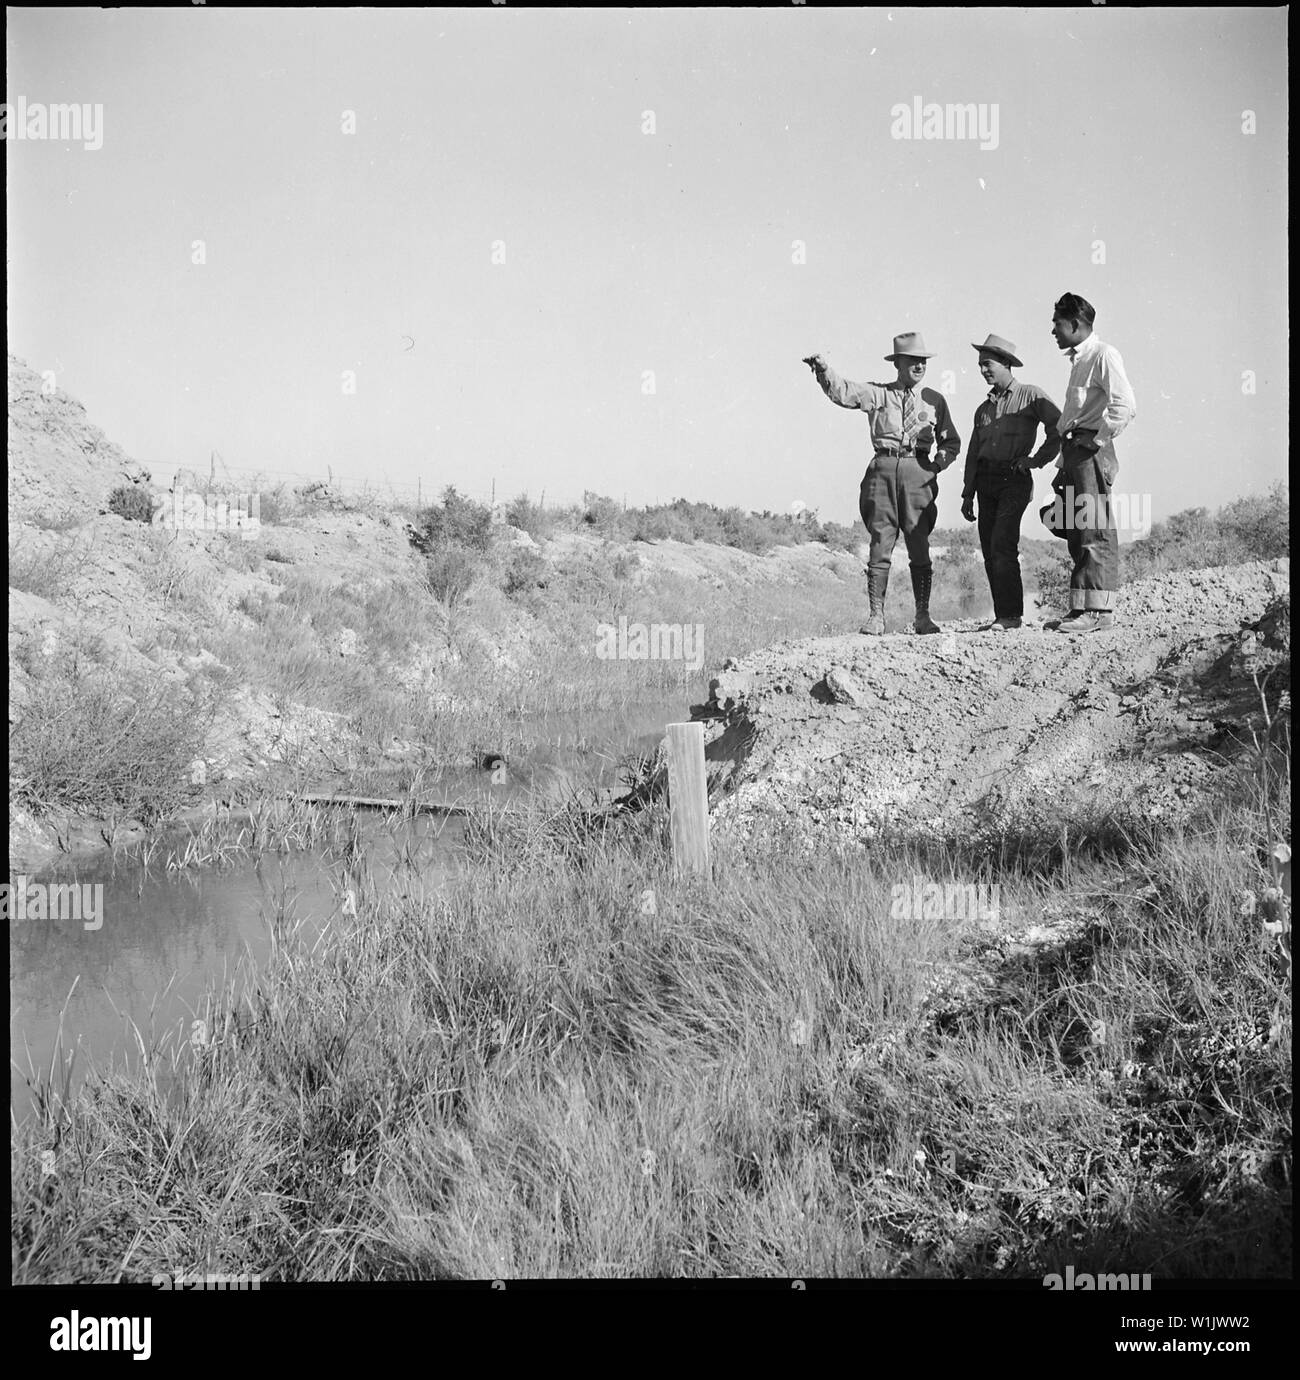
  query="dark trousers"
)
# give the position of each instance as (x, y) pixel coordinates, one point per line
(898, 494)
(1002, 499)
(1083, 491)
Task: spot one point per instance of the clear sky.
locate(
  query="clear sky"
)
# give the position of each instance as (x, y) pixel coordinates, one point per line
(628, 251)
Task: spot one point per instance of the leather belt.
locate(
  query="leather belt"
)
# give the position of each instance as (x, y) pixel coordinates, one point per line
(893, 450)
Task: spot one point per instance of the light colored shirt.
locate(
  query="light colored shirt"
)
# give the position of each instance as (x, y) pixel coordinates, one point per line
(1098, 396)
(883, 404)
(1006, 423)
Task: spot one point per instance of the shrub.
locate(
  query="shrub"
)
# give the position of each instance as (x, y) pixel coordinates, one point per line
(458, 522)
(49, 570)
(1255, 527)
(133, 502)
(1053, 582)
(526, 571)
(602, 513)
(101, 740)
(530, 517)
(1260, 524)
(451, 570)
(648, 525)
(839, 537)
(272, 505)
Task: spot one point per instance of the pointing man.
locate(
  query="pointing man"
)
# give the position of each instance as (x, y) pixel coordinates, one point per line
(998, 471)
(901, 485)
(1099, 404)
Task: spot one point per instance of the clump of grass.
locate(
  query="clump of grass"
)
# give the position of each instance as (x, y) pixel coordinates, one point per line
(100, 740)
(451, 571)
(49, 569)
(56, 519)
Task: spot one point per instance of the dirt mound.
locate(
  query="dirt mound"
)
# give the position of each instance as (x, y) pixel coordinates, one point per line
(970, 733)
(59, 462)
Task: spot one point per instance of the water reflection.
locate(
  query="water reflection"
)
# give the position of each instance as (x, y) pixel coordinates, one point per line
(167, 936)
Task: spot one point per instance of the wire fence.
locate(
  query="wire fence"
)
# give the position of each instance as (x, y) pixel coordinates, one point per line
(415, 492)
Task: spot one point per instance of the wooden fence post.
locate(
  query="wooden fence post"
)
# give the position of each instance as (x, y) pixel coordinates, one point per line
(688, 797)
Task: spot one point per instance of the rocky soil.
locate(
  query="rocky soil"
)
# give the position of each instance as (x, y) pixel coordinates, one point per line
(969, 733)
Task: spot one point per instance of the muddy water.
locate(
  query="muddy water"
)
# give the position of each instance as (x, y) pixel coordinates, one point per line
(92, 995)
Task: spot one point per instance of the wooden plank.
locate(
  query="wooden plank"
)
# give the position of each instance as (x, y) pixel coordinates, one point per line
(377, 803)
(688, 797)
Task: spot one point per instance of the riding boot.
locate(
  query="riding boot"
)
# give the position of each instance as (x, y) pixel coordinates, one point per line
(921, 580)
(877, 584)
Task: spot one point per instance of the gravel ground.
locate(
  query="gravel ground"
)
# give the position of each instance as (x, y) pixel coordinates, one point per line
(968, 732)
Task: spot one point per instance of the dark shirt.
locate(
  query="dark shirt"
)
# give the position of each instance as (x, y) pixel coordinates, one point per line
(1005, 424)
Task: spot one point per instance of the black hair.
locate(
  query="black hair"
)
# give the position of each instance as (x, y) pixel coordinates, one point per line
(1072, 307)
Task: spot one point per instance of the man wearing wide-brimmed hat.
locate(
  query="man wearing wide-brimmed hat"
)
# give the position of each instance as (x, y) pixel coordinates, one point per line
(901, 485)
(999, 467)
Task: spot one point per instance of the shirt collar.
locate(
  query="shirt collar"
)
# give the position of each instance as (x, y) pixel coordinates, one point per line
(1084, 347)
(995, 392)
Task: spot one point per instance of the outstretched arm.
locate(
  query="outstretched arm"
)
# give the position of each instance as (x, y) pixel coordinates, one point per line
(840, 391)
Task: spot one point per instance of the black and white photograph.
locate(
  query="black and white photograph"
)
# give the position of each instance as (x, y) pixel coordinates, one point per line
(649, 648)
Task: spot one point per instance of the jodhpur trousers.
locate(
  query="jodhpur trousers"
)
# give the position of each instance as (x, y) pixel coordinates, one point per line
(898, 494)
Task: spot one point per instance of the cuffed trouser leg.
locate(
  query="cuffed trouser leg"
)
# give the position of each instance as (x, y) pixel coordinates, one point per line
(1090, 532)
(1002, 504)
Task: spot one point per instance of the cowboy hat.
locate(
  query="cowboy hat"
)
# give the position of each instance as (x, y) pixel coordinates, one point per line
(1004, 349)
(910, 343)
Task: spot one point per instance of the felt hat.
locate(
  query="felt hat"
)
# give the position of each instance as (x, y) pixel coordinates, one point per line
(1004, 349)
(910, 343)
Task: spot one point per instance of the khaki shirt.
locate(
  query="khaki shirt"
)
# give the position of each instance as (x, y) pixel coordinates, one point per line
(883, 404)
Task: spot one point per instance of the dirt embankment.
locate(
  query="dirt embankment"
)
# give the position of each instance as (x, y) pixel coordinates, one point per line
(163, 606)
(957, 732)
(58, 460)
(969, 733)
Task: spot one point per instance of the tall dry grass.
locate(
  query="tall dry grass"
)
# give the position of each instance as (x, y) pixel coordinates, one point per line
(573, 1062)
